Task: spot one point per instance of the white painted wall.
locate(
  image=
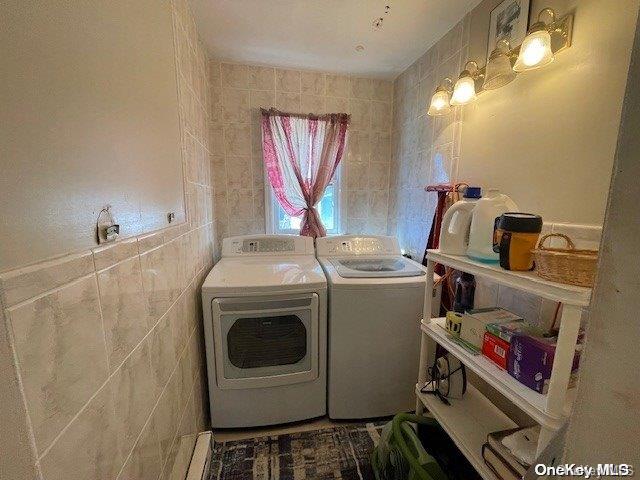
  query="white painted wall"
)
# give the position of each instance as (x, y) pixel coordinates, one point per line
(548, 138)
(89, 115)
(605, 426)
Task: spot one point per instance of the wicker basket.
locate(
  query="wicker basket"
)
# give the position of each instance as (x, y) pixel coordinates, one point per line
(565, 265)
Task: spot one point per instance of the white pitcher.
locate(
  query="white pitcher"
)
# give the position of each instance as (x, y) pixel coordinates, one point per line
(484, 214)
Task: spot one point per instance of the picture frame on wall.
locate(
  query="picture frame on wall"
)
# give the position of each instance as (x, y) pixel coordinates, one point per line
(510, 20)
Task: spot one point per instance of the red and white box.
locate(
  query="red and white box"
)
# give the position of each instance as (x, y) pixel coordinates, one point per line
(495, 349)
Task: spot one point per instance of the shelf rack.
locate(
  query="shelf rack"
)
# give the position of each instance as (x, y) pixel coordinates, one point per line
(524, 281)
(469, 420)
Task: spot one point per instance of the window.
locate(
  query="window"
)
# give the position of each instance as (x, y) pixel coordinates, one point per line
(329, 208)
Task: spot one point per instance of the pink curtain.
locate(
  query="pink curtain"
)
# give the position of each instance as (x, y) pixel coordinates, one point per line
(301, 154)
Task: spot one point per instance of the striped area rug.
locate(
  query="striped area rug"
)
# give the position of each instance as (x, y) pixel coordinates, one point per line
(341, 452)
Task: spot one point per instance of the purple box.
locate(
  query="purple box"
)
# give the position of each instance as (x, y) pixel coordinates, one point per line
(530, 361)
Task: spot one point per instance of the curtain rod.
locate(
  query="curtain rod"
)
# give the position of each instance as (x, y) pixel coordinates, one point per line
(339, 117)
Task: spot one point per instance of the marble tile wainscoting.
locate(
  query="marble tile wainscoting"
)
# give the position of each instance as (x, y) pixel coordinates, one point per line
(107, 343)
(109, 354)
(425, 149)
(237, 94)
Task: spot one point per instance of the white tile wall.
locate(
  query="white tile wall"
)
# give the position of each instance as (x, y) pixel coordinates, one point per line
(108, 342)
(237, 94)
(425, 149)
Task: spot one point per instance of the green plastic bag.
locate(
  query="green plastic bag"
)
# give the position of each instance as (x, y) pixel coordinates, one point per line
(399, 454)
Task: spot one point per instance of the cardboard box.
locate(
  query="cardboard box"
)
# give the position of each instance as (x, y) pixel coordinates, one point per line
(506, 330)
(530, 361)
(474, 323)
(495, 349)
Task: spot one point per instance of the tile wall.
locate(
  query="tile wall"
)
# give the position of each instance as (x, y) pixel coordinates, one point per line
(237, 94)
(107, 342)
(426, 150)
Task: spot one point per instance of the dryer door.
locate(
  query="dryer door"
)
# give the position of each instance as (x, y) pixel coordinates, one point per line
(265, 341)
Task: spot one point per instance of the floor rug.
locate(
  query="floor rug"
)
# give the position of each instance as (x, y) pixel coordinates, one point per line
(341, 452)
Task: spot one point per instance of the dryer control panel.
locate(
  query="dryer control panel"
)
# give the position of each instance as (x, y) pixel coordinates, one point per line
(347, 245)
(268, 245)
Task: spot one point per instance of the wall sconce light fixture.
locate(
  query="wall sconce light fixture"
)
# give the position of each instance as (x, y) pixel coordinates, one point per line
(499, 71)
(465, 89)
(543, 40)
(440, 101)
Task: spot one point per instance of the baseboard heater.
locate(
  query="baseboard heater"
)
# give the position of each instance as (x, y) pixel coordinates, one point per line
(201, 458)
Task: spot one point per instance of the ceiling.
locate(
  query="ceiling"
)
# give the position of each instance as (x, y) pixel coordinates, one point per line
(323, 34)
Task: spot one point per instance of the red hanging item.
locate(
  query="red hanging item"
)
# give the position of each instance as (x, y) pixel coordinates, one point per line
(447, 195)
(434, 234)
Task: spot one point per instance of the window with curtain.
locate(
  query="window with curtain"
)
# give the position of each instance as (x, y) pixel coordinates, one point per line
(330, 209)
(302, 155)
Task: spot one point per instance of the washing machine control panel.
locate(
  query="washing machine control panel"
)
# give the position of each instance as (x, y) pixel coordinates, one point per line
(357, 246)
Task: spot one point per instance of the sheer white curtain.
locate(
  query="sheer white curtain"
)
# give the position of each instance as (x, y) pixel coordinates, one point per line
(301, 154)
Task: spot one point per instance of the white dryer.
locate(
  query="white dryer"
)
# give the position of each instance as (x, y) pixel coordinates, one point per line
(376, 297)
(264, 307)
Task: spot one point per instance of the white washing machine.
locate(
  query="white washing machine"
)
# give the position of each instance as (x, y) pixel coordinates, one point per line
(264, 307)
(376, 297)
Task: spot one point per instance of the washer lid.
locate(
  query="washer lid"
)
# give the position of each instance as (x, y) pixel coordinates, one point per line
(375, 267)
(242, 275)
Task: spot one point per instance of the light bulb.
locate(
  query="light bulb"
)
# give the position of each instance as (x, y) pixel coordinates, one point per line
(439, 103)
(535, 51)
(498, 71)
(464, 91)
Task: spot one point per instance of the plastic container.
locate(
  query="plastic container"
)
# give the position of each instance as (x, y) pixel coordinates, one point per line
(515, 237)
(483, 221)
(465, 292)
(454, 232)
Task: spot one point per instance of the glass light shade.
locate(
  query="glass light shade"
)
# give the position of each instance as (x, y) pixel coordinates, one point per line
(464, 91)
(535, 51)
(439, 103)
(498, 72)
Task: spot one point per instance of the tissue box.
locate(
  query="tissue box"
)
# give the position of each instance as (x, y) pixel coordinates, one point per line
(474, 324)
(530, 361)
(506, 330)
